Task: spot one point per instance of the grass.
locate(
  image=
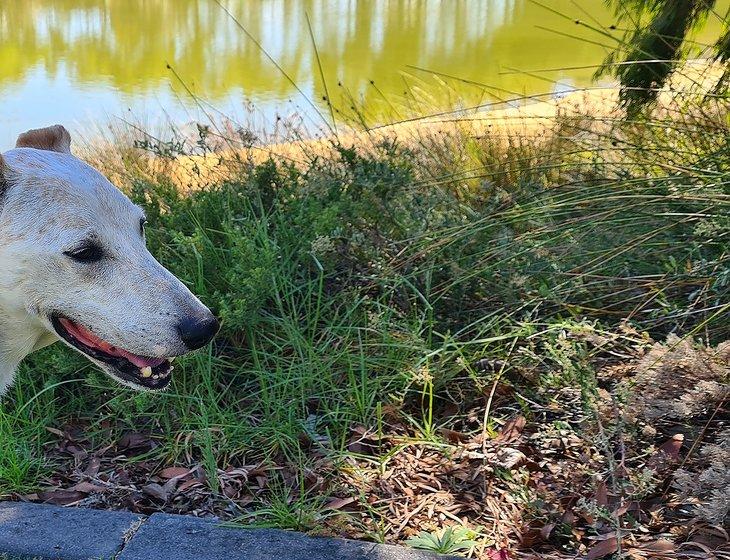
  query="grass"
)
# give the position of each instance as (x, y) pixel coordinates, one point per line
(395, 289)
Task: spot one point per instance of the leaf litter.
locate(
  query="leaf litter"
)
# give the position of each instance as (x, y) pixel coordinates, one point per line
(640, 474)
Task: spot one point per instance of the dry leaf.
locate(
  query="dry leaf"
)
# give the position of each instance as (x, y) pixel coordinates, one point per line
(603, 548)
(511, 430)
(666, 454)
(88, 488)
(61, 497)
(156, 491)
(498, 554)
(602, 494)
(174, 472)
(339, 503)
(452, 436)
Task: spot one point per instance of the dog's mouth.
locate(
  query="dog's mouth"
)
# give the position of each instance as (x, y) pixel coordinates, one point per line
(132, 369)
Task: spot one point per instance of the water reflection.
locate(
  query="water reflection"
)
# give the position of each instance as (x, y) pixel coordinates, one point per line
(89, 59)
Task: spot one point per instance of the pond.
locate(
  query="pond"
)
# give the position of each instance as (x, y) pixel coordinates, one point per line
(90, 63)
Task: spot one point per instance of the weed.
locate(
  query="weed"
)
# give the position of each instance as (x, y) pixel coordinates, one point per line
(448, 541)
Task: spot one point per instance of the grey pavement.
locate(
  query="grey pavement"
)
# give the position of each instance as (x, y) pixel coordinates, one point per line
(51, 532)
(47, 532)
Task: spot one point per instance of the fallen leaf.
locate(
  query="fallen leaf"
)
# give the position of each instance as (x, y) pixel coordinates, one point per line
(339, 503)
(174, 472)
(509, 458)
(672, 446)
(189, 484)
(602, 494)
(709, 535)
(453, 436)
(498, 554)
(229, 490)
(133, 441)
(603, 548)
(535, 534)
(511, 430)
(28, 497)
(666, 454)
(661, 546)
(156, 491)
(88, 487)
(61, 497)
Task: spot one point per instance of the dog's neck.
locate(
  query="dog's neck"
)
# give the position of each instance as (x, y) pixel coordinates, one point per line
(20, 335)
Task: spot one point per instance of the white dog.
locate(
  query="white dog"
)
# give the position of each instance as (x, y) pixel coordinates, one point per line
(74, 267)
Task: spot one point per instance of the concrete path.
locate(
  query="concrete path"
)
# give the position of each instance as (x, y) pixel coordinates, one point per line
(36, 531)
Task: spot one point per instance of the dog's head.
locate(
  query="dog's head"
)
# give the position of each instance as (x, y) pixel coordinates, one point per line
(73, 262)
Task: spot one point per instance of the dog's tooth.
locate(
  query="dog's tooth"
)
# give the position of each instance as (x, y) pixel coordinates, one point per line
(155, 376)
(146, 371)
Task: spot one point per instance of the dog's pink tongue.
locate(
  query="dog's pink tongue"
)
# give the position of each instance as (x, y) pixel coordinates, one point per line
(139, 361)
(92, 341)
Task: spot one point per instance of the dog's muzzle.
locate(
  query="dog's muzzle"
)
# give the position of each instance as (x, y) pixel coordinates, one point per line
(143, 372)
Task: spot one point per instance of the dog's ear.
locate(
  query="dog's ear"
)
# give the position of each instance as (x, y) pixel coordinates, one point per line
(53, 138)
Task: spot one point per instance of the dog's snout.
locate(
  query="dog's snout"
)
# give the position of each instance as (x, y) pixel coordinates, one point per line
(196, 332)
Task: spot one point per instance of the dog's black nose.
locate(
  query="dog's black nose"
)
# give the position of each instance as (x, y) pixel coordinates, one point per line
(196, 332)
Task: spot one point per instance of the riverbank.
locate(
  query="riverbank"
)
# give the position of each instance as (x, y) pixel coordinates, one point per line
(532, 119)
(527, 120)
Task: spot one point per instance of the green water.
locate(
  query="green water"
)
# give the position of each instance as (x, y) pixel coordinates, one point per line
(86, 63)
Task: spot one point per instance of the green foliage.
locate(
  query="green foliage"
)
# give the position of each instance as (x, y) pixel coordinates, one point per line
(27, 409)
(375, 279)
(651, 51)
(448, 541)
(284, 510)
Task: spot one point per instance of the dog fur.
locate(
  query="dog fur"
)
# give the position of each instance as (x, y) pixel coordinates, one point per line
(52, 204)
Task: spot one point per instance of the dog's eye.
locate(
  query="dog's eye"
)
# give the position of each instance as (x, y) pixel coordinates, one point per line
(85, 254)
